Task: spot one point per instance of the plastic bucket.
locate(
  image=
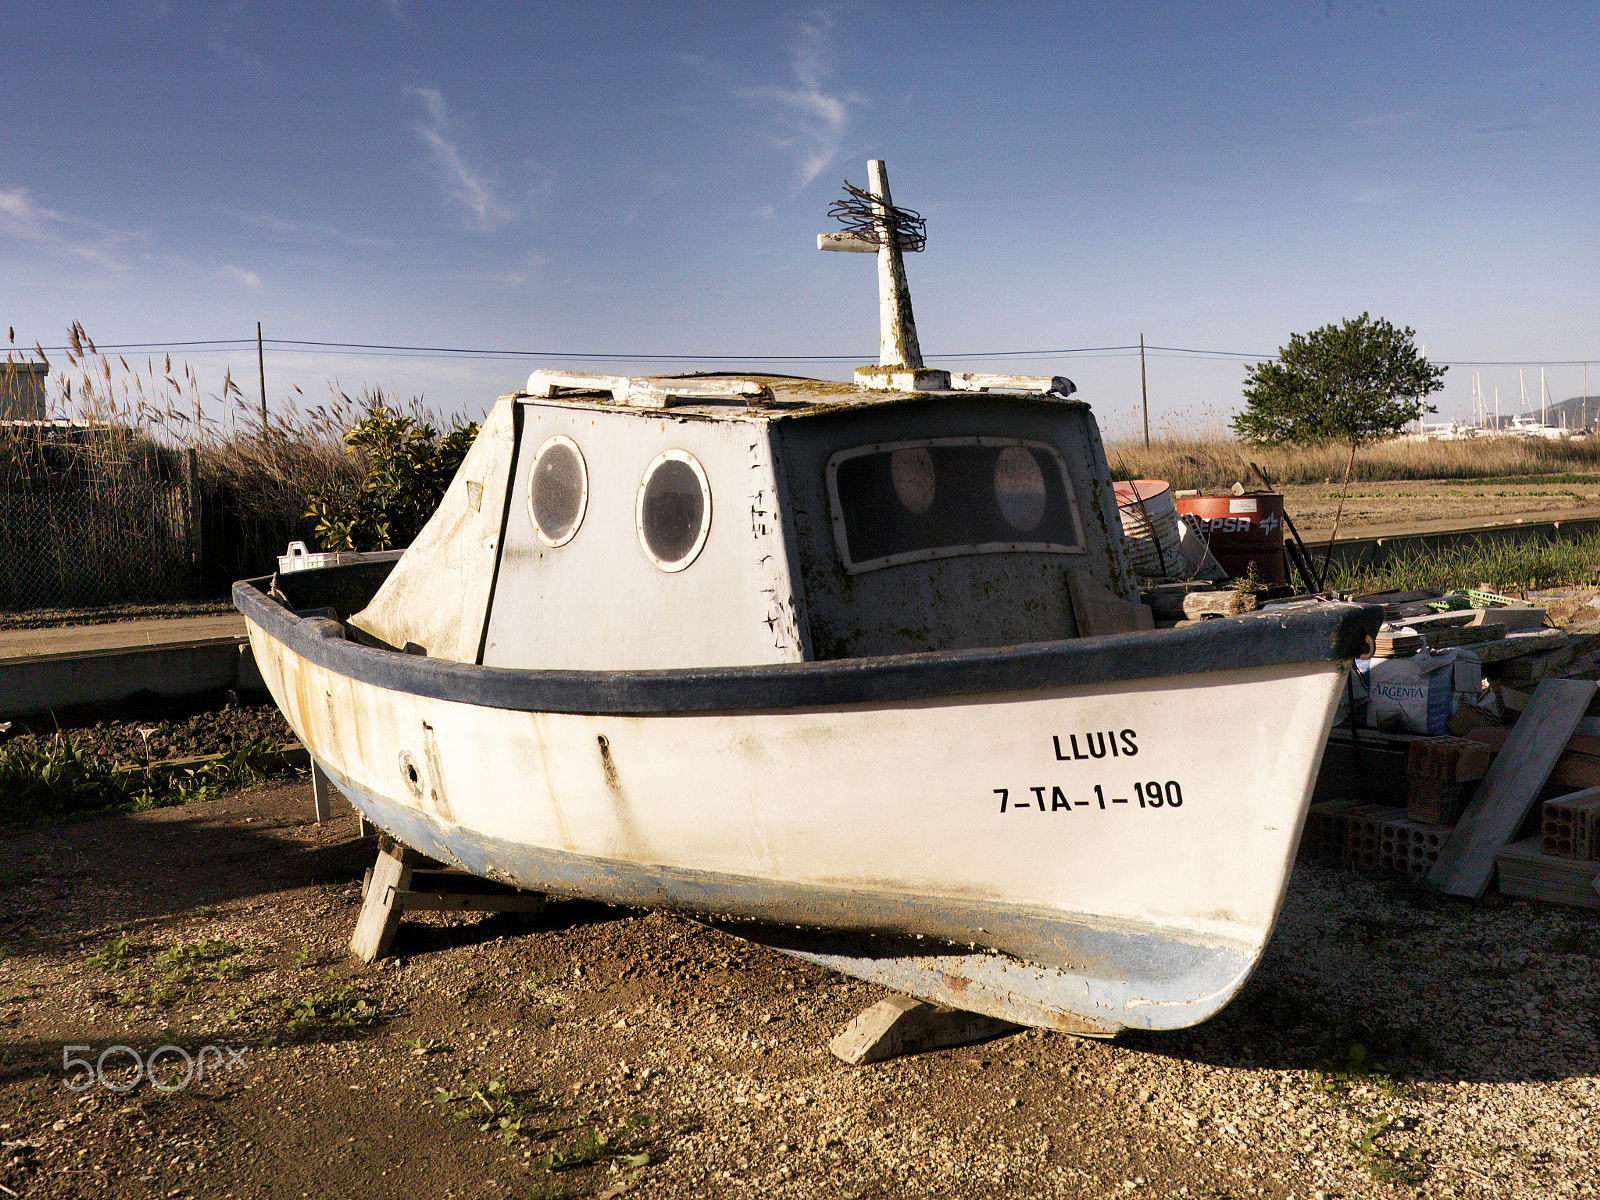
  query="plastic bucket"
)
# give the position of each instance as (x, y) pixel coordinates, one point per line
(1150, 529)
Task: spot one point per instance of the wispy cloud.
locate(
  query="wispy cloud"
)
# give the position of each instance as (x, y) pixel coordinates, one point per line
(474, 191)
(239, 275)
(306, 232)
(77, 237)
(812, 118)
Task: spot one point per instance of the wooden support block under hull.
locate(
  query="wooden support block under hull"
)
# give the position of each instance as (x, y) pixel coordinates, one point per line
(396, 885)
(901, 1025)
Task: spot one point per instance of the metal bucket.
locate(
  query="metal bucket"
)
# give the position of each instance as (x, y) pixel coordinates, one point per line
(1150, 529)
(1242, 531)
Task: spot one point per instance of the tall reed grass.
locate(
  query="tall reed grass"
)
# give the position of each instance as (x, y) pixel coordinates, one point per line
(1215, 462)
(116, 422)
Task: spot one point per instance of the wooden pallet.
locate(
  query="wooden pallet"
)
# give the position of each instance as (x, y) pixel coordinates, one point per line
(1528, 874)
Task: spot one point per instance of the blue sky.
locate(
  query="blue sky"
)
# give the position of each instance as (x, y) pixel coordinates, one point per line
(648, 179)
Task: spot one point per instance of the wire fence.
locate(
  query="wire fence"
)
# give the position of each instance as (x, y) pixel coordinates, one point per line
(91, 524)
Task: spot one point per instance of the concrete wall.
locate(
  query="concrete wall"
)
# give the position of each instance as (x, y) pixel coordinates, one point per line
(22, 391)
(38, 683)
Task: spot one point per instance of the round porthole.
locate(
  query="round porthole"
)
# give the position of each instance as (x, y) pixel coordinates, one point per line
(558, 491)
(673, 512)
(1019, 488)
(911, 472)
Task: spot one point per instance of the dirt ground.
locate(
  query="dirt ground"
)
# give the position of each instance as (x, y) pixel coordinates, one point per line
(1392, 1043)
(1421, 503)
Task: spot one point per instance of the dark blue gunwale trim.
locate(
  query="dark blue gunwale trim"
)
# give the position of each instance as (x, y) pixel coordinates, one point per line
(1326, 633)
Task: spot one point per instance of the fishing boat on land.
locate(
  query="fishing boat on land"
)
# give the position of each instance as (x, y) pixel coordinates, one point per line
(829, 665)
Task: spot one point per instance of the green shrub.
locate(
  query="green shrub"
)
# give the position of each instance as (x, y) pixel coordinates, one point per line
(409, 465)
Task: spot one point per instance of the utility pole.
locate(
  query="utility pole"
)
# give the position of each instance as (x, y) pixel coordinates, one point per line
(261, 371)
(1144, 393)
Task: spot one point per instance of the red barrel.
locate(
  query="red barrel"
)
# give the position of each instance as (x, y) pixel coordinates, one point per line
(1242, 531)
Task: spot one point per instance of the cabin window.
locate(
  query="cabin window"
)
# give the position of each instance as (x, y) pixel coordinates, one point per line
(558, 491)
(673, 512)
(898, 502)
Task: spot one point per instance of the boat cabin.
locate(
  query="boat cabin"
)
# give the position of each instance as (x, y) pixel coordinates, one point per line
(716, 520)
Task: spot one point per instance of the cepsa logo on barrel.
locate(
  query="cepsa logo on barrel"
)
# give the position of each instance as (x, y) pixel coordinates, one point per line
(1206, 526)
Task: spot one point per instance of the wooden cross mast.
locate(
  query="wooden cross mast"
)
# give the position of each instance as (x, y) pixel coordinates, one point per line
(875, 225)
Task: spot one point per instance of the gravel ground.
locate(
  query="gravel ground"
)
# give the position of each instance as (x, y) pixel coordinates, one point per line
(183, 727)
(1393, 1043)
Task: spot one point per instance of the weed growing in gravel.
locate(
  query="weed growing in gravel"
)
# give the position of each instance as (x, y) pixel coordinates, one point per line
(494, 1108)
(1345, 1062)
(164, 994)
(209, 958)
(590, 1146)
(1408, 1166)
(327, 1016)
(178, 968)
(118, 954)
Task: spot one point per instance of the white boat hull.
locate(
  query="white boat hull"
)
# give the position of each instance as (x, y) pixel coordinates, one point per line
(1085, 857)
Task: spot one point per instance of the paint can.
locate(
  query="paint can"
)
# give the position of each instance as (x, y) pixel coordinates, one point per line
(1150, 531)
(1242, 531)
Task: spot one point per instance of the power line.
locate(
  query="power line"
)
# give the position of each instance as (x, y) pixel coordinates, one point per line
(616, 356)
(459, 352)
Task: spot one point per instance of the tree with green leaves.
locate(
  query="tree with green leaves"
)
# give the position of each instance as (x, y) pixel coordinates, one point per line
(1350, 383)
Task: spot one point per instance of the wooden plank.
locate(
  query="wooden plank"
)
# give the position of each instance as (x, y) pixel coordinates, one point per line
(1443, 620)
(900, 1025)
(321, 791)
(380, 914)
(1511, 618)
(1229, 603)
(1514, 645)
(1466, 864)
(1443, 636)
(1097, 610)
(1577, 770)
